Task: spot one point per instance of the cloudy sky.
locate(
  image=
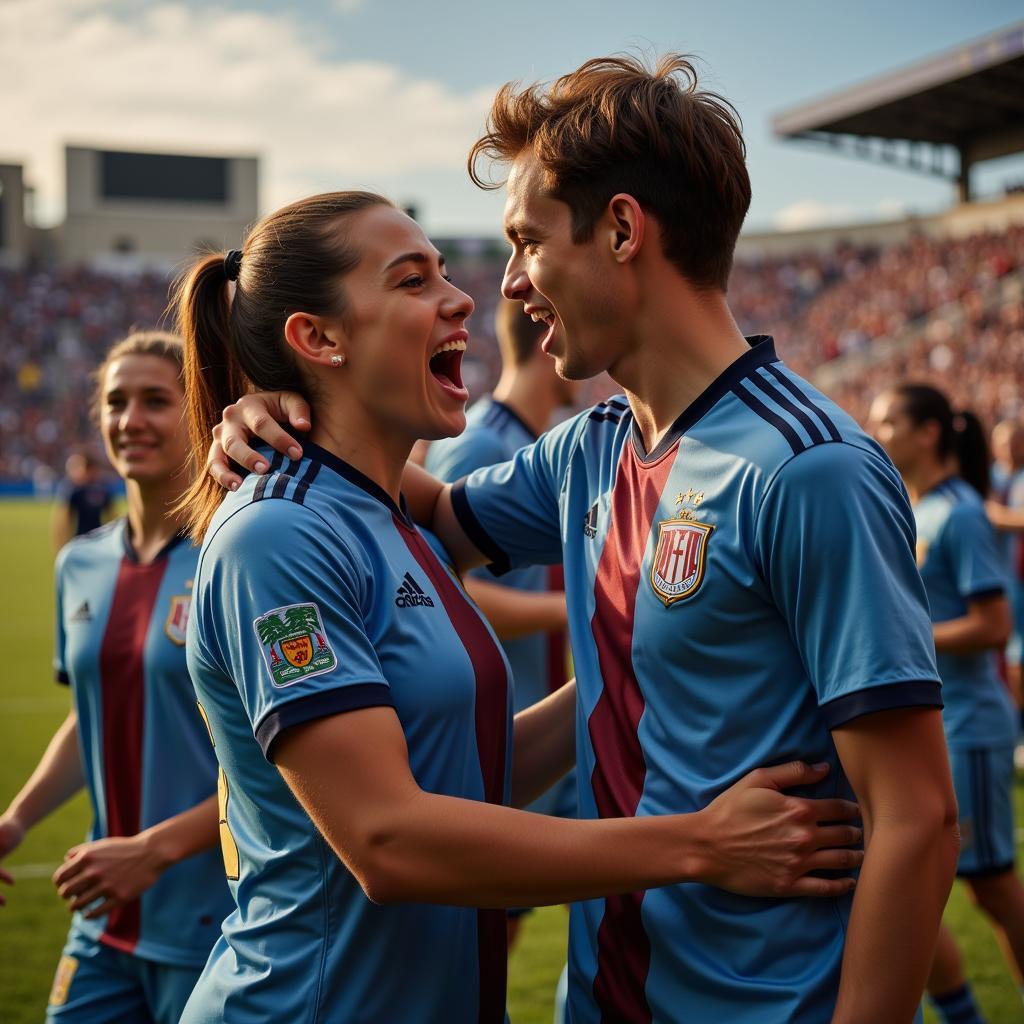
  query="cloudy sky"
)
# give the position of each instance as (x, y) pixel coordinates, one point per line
(389, 94)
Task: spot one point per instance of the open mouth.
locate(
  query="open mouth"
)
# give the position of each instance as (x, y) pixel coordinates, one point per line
(446, 366)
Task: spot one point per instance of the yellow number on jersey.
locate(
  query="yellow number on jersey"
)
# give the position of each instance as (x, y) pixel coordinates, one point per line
(228, 846)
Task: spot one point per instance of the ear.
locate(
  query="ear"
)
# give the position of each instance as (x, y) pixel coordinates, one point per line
(626, 223)
(310, 338)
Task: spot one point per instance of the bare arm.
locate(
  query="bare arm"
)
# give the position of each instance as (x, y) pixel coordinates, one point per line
(57, 778)
(985, 627)
(402, 843)
(516, 613)
(119, 869)
(897, 763)
(1002, 517)
(544, 744)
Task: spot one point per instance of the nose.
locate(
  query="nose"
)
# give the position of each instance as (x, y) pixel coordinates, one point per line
(459, 305)
(132, 416)
(515, 285)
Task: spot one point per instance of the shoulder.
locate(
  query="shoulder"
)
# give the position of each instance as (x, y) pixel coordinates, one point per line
(104, 540)
(478, 445)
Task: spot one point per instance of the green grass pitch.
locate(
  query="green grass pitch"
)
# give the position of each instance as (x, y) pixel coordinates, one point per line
(33, 924)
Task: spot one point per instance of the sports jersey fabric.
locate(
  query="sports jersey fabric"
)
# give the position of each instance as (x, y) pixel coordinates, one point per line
(733, 596)
(494, 433)
(88, 503)
(316, 595)
(959, 559)
(146, 754)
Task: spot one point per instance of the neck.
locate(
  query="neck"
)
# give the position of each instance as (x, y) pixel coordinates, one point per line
(682, 341)
(923, 478)
(150, 520)
(530, 391)
(345, 429)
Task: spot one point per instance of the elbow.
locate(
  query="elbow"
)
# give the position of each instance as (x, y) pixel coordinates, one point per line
(381, 870)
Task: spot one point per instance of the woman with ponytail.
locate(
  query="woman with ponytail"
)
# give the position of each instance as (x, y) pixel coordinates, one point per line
(943, 459)
(358, 702)
(146, 890)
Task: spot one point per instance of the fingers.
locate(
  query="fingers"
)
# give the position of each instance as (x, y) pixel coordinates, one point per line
(823, 888)
(6, 876)
(68, 870)
(101, 909)
(838, 835)
(832, 809)
(296, 410)
(87, 897)
(835, 860)
(786, 776)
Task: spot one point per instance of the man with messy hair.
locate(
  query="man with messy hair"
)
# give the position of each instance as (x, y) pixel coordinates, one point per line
(739, 562)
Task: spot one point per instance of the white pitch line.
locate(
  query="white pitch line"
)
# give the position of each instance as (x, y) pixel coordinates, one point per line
(32, 870)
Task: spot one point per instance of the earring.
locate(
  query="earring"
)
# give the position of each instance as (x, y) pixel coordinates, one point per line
(337, 361)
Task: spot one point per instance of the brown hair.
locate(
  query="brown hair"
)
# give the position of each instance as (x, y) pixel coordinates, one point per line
(518, 335)
(161, 344)
(292, 261)
(614, 126)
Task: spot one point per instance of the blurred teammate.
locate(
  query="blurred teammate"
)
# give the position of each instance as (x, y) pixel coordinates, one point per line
(699, 520)
(358, 701)
(84, 499)
(943, 459)
(147, 889)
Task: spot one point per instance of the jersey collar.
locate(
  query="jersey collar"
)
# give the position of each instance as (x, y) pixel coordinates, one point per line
(513, 415)
(354, 476)
(132, 555)
(762, 352)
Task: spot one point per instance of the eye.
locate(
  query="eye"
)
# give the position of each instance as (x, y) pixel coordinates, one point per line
(528, 244)
(413, 281)
(448, 278)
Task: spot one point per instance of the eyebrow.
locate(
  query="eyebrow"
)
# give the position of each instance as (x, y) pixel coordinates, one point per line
(414, 257)
(158, 389)
(516, 231)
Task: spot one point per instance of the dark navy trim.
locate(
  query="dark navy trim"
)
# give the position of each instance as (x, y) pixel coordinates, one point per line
(980, 595)
(321, 705)
(924, 693)
(762, 352)
(282, 482)
(502, 409)
(813, 432)
(62, 677)
(354, 476)
(999, 869)
(827, 423)
(600, 417)
(260, 491)
(129, 548)
(299, 494)
(784, 428)
(981, 788)
(475, 531)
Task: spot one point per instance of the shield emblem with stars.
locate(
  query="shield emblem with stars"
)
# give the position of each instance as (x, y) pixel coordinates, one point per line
(677, 570)
(177, 618)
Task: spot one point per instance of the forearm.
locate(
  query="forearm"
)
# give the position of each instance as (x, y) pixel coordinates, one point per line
(462, 852)
(184, 835)
(902, 890)
(517, 613)
(544, 744)
(970, 634)
(57, 778)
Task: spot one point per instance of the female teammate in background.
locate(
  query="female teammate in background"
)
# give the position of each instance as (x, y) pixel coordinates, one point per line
(943, 459)
(147, 888)
(358, 701)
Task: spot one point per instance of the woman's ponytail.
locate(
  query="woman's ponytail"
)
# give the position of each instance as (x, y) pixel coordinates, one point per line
(971, 449)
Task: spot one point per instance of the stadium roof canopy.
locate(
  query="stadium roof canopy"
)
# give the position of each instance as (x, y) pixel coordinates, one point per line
(939, 116)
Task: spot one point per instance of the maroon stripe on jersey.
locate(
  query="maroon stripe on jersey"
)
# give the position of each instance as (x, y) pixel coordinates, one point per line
(123, 690)
(623, 948)
(491, 725)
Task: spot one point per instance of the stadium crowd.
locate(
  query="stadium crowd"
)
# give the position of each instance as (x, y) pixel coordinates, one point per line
(957, 324)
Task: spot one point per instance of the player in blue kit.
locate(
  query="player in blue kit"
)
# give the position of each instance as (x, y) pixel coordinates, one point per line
(358, 702)
(739, 563)
(943, 459)
(147, 888)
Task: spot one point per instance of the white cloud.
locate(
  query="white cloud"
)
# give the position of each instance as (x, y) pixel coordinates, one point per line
(814, 213)
(170, 77)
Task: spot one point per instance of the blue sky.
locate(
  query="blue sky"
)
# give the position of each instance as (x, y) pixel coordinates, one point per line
(339, 93)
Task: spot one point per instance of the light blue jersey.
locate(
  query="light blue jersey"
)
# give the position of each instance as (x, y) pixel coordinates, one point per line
(733, 596)
(959, 559)
(315, 596)
(494, 433)
(145, 751)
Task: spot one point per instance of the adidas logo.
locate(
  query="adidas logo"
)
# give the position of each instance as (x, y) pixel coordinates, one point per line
(410, 594)
(590, 522)
(83, 614)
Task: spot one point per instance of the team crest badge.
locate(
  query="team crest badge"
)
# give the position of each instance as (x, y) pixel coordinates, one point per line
(62, 980)
(679, 559)
(294, 643)
(177, 618)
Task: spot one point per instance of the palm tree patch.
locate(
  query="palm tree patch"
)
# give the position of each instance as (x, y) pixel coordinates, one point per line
(294, 643)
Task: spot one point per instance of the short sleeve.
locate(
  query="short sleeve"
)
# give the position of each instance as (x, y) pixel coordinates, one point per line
(970, 543)
(450, 459)
(282, 610)
(835, 542)
(60, 671)
(511, 511)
